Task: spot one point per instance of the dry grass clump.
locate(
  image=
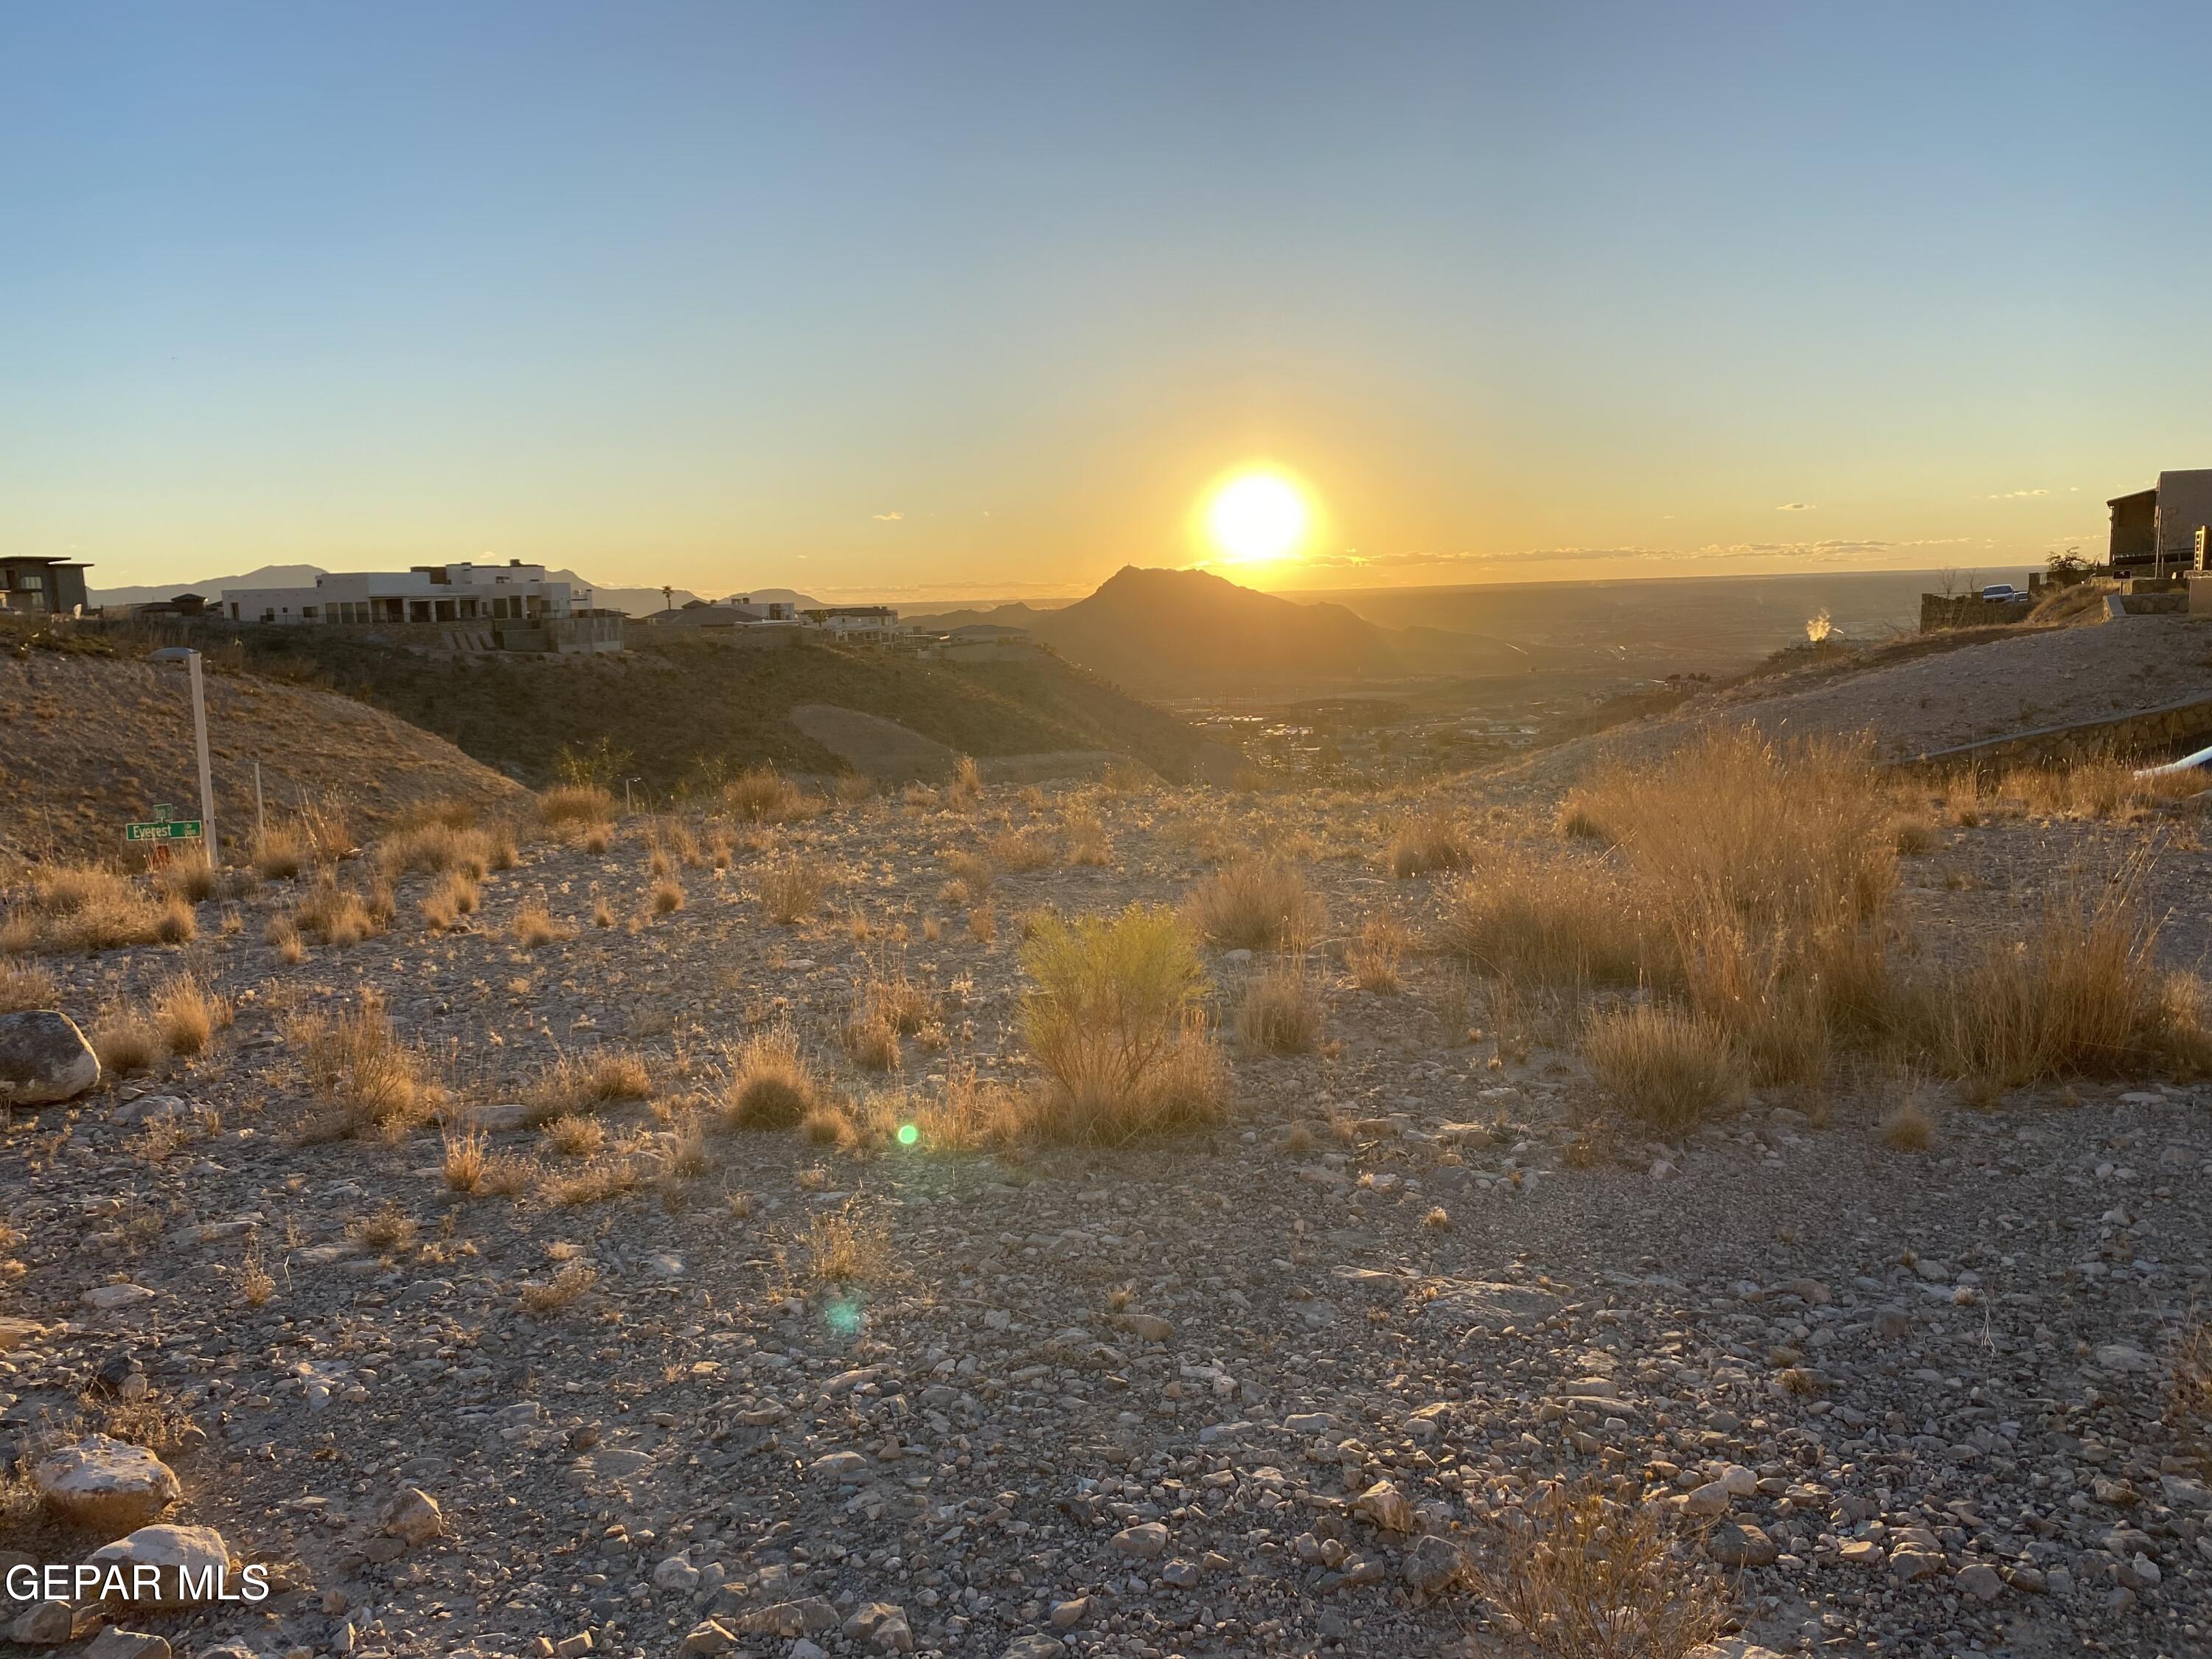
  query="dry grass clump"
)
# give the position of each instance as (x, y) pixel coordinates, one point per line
(1086, 841)
(1020, 851)
(593, 1184)
(187, 1015)
(565, 1288)
(771, 1087)
(571, 1136)
(790, 887)
(534, 926)
(1906, 1126)
(1584, 1574)
(25, 985)
(2100, 787)
(763, 795)
(432, 848)
(126, 1040)
(357, 1063)
(1280, 1013)
(576, 804)
(847, 1246)
(1374, 956)
(89, 908)
(965, 787)
(971, 875)
(1663, 1067)
(2189, 1386)
(870, 1038)
(1113, 1019)
(280, 852)
(467, 1152)
(1553, 921)
(452, 896)
(2080, 993)
(188, 876)
(1259, 904)
(970, 1114)
(334, 914)
(1432, 841)
(667, 898)
(574, 1083)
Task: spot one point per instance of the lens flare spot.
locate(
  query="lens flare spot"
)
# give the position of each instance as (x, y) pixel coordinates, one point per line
(908, 1134)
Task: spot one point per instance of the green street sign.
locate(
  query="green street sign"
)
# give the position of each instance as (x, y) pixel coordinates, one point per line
(165, 830)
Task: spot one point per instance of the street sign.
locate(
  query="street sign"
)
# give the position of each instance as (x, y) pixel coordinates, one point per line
(165, 830)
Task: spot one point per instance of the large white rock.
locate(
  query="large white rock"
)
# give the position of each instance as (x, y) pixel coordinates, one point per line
(104, 1485)
(191, 1560)
(44, 1057)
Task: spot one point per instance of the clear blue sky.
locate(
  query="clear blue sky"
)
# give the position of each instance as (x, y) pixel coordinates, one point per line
(709, 293)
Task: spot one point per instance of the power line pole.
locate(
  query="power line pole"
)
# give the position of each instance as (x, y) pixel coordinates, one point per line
(207, 778)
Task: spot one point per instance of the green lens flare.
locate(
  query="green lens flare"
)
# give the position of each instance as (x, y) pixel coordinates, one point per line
(908, 1134)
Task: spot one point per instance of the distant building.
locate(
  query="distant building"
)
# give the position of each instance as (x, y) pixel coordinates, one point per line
(43, 586)
(734, 612)
(2154, 531)
(184, 604)
(514, 592)
(875, 623)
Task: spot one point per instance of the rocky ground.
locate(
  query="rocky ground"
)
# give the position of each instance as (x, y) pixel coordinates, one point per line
(1248, 1393)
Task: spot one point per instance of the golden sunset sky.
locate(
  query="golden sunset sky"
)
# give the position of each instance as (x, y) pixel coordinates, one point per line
(983, 300)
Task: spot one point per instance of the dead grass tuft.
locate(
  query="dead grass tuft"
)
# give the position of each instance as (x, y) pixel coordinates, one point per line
(564, 1289)
(1280, 1013)
(25, 985)
(772, 1087)
(790, 887)
(1431, 841)
(1374, 957)
(1906, 1127)
(1587, 1574)
(87, 907)
(763, 795)
(1663, 1067)
(187, 1014)
(577, 1084)
(452, 896)
(534, 926)
(847, 1246)
(467, 1151)
(334, 914)
(577, 804)
(356, 1063)
(1258, 904)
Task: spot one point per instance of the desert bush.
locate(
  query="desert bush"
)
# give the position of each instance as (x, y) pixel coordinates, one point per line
(1113, 1019)
(25, 985)
(667, 898)
(1280, 1012)
(452, 896)
(534, 925)
(870, 1038)
(1553, 921)
(357, 1063)
(89, 908)
(1906, 1126)
(572, 1136)
(1374, 956)
(1586, 1574)
(576, 804)
(187, 1014)
(467, 1149)
(1019, 851)
(334, 914)
(432, 848)
(851, 788)
(1430, 841)
(965, 787)
(566, 1287)
(971, 871)
(1663, 1067)
(1086, 841)
(575, 1084)
(2078, 992)
(790, 887)
(126, 1040)
(188, 875)
(1259, 904)
(771, 1086)
(970, 1114)
(763, 795)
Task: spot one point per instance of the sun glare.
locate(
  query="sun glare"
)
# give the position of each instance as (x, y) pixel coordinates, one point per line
(1256, 518)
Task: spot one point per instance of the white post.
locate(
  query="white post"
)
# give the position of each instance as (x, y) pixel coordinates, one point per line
(207, 778)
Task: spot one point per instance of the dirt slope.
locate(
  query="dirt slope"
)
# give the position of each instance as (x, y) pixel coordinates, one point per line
(1914, 701)
(86, 741)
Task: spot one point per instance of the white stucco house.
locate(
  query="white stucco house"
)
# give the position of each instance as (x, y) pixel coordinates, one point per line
(514, 592)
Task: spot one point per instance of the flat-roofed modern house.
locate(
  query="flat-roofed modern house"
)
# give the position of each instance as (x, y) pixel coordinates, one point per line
(514, 592)
(2154, 531)
(878, 624)
(45, 587)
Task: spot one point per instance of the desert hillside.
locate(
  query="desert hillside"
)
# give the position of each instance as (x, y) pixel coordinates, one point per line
(89, 742)
(682, 711)
(1190, 631)
(1086, 1220)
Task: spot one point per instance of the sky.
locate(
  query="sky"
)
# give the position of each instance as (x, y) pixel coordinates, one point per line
(941, 300)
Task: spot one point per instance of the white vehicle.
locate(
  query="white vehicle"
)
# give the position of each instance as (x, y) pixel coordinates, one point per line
(2003, 592)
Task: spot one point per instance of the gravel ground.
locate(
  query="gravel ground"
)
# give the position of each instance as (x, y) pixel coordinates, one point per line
(1221, 1395)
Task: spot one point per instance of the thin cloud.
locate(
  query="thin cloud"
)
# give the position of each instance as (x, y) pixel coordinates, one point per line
(1795, 507)
(2015, 495)
(889, 518)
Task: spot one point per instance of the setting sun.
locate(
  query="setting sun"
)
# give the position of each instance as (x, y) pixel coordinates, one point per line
(1254, 518)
